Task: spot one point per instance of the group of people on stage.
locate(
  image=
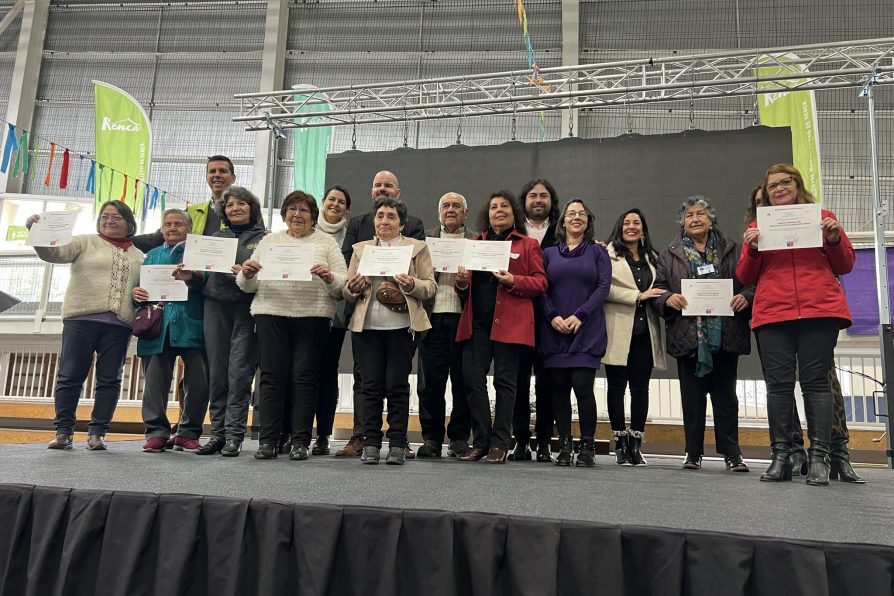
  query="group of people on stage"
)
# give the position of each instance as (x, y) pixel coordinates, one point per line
(566, 304)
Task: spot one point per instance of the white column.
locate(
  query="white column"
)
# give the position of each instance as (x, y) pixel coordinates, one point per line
(26, 72)
(570, 53)
(272, 70)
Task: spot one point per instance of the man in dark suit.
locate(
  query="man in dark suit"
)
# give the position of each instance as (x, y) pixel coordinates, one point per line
(360, 228)
(541, 215)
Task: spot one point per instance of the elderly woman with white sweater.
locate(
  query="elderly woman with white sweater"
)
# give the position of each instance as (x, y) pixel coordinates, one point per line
(97, 314)
(292, 319)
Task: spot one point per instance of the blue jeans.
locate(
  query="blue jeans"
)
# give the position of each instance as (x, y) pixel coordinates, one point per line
(80, 340)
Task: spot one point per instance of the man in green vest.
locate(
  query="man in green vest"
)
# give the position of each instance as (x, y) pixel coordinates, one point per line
(220, 175)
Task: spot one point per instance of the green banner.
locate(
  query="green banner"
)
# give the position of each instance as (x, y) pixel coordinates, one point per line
(123, 146)
(311, 146)
(795, 109)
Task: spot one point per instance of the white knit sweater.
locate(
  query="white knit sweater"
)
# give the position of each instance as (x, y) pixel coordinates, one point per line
(298, 298)
(102, 276)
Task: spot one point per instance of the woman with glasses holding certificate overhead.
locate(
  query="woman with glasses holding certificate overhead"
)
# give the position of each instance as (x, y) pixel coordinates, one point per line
(296, 276)
(707, 341)
(799, 307)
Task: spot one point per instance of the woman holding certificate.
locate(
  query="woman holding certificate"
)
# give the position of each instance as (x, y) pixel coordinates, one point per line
(230, 340)
(707, 328)
(97, 314)
(496, 322)
(799, 308)
(181, 335)
(296, 276)
(635, 334)
(572, 329)
(385, 322)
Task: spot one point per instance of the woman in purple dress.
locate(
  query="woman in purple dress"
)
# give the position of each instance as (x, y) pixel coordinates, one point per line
(572, 338)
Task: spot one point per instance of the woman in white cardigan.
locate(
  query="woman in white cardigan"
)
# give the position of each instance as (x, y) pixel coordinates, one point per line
(635, 335)
(292, 319)
(97, 314)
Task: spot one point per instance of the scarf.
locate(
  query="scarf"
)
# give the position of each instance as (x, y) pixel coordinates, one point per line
(122, 243)
(578, 250)
(331, 228)
(707, 328)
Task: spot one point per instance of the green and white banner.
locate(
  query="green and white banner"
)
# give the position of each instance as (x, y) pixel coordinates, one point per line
(123, 146)
(311, 146)
(795, 109)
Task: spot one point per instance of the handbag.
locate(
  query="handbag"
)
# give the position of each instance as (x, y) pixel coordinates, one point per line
(148, 321)
(389, 295)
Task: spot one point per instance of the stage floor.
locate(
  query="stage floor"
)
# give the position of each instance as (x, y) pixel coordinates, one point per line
(659, 495)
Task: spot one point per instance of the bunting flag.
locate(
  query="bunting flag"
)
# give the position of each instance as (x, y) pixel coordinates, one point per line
(12, 144)
(154, 200)
(21, 163)
(123, 197)
(34, 151)
(63, 174)
(90, 184)
(46, 180)
(99, 174)
(163, 195)
(536, 79)
(80, 169)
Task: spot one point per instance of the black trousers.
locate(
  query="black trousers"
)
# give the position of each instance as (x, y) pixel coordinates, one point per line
(357, 390)
(581, 380)
(721, 384)
(530, 361)
(327, 401)
(805, 345)
(440, 358)
(637, 373)
(289, 358)
(478, 353)
(385, 361)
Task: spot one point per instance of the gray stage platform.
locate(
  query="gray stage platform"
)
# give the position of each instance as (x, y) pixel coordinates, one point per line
(659, 495)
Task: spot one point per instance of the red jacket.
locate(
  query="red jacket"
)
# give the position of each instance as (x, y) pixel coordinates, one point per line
(798, 284)
(514, 310)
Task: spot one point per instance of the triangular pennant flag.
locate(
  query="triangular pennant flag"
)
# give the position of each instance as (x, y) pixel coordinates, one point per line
(163, 195)
(80, 167)
(63, 174)
(154, 200)
(34, 152)
(123, 198)
(11, 145)
(46, 180)
(23, 143)
(99, 181)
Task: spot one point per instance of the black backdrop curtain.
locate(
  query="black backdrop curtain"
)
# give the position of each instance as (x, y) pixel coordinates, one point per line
(71, 542)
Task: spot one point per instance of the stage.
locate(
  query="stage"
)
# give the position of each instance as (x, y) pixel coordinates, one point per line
(334, 526)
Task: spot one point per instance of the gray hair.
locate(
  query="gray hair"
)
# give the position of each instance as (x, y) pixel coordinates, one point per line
(182, 213)
(465, 203)
(701, 202)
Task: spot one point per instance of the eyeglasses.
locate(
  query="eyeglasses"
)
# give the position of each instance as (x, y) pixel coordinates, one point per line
(784, 183)
(573, 214)
(294, 208)
(114, 218)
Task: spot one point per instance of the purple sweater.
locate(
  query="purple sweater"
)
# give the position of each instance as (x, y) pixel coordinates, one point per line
(578, 285)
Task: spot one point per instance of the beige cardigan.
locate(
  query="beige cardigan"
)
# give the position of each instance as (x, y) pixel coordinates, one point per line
(424, 288)
(620, 307)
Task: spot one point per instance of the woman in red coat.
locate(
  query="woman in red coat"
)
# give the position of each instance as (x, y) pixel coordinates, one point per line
(497, 320)
(799, 308)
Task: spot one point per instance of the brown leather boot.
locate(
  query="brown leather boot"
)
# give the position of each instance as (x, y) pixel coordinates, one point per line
(354, 448)
(61, 441)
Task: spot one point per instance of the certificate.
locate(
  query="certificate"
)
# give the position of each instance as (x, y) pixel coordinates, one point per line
(446, 253)
(286, 261)
(486, 255)
(159, 281)
(385, 260)
(55, 228)
(707, 297)
(209, 253)
(789, 226)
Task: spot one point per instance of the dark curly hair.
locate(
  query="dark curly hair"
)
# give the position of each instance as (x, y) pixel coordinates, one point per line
(518, 214)
(553, 196)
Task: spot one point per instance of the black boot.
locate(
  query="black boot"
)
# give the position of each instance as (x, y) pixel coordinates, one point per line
(634, 444)
(622, 454)
(587, 455)
(566, 452)
(798, 458)
(818, 407)
(543, 451)
(522, 451)
(779, 415)
(321, 445)
(285, 444)
(841, 464)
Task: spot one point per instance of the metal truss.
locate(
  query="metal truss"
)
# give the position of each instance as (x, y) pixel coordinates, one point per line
(657, 79)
